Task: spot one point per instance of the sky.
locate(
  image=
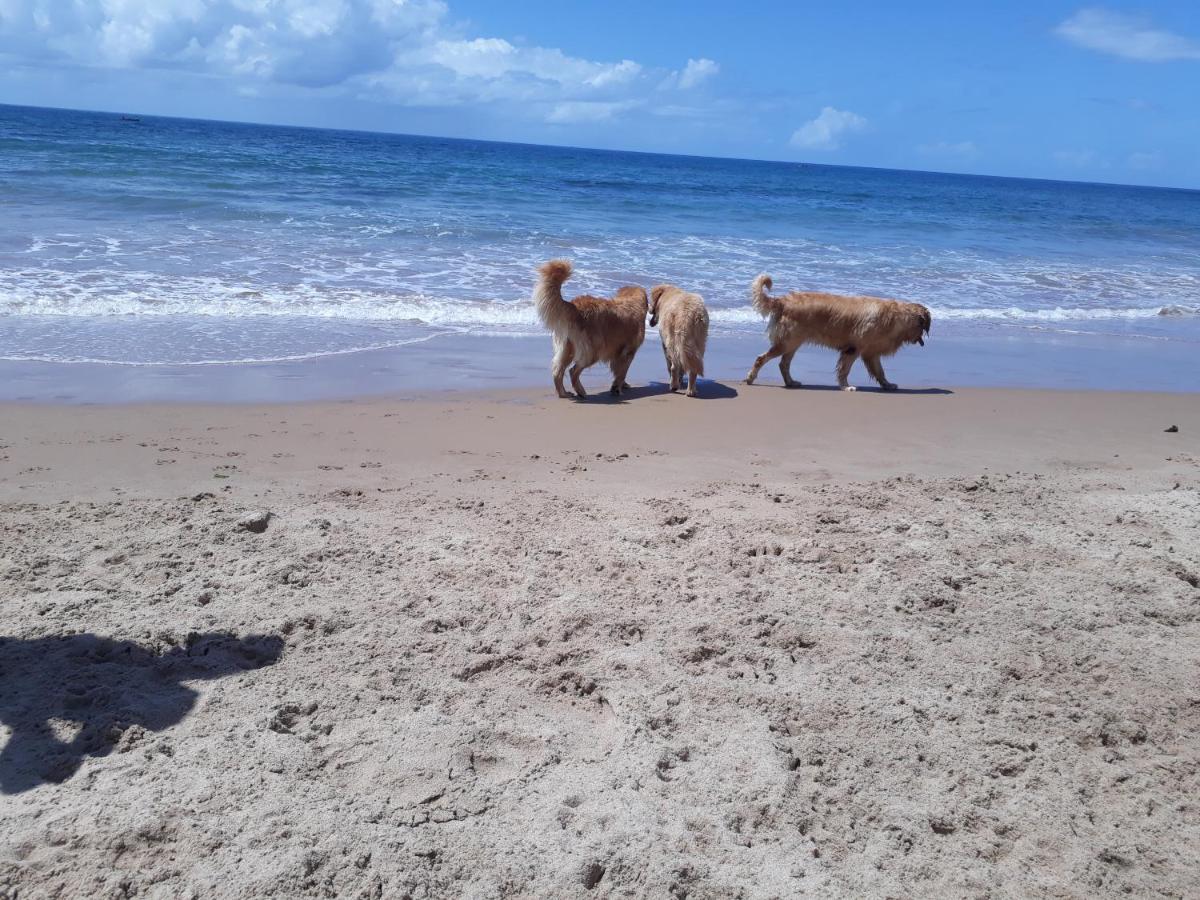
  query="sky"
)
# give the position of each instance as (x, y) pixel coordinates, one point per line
(1034, 89)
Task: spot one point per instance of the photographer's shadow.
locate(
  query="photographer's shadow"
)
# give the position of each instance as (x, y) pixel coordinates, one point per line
(65, 698)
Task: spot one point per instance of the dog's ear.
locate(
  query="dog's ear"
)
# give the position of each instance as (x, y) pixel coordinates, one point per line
(926, 320)
(656, 293)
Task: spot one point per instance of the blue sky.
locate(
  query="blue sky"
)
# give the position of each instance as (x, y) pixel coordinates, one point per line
(1045, 89)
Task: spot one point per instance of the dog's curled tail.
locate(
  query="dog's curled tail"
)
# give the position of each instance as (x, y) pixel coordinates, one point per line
(547, 296)
(763, 304)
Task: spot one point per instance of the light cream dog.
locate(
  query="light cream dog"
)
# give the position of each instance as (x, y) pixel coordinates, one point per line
(588, 330)
(869, 327)
(682, 321)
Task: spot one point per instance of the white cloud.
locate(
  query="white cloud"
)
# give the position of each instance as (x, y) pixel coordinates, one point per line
(962, 149)
(1126, 37)
(682, 111)
(402, 51)
(622, 73)
(826, 130)
(1145, 162)
(313, 44)
(496, 58)
(696, 72)
(1138, 104)
(575, 111)
(1079, 159)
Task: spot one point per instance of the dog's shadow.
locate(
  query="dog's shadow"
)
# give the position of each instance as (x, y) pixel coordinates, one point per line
(705, 390)
(66, 698)
(870, 389)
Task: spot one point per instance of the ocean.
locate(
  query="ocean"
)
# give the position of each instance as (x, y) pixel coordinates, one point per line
(155, 241)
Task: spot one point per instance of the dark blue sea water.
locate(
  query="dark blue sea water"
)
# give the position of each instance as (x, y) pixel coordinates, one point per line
(177, 241)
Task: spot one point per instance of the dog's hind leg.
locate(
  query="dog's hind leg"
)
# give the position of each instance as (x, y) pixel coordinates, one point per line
(576, 383)
(776, 350)
(672, 369)
(620, 368)
(564, 352)
(845, 361)
(785, 369)
(875, 367)
(670, 365)
(691, 391)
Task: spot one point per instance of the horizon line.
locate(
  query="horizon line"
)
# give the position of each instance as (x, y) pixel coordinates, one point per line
(443, 137)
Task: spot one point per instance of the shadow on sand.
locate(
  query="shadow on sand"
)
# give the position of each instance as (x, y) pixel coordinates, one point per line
(705, 390)
(872, 389)
(64, 698)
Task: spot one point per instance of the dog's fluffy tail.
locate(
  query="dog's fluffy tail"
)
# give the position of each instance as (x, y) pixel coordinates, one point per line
(547, 296)
(763, 304)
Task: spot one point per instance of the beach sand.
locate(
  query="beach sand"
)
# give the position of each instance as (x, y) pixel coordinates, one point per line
(764, 644)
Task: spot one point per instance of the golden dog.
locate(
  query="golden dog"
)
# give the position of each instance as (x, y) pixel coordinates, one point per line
(588, 330)
(682, 321)
(854, 326)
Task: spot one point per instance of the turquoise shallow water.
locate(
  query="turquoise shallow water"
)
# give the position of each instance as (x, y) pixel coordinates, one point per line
(168, 242)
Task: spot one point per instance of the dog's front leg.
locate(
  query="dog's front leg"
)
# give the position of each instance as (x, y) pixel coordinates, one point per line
(845, 361)
(785, 369)
(776, 350)
(875, 367)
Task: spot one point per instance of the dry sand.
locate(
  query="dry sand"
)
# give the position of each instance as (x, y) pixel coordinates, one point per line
(799, 642)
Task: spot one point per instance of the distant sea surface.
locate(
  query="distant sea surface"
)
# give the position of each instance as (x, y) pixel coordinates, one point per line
(171, 241)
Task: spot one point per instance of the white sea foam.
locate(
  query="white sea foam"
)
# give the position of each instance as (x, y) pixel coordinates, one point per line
(1059, 314)
(75, 358)
(75, 298)
(146, 305)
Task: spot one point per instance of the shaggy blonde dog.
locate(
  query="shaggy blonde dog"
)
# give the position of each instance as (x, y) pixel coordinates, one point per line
(588, 330)
(854, 326)
(682, 321)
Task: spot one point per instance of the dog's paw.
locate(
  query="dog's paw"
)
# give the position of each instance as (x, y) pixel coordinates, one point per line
(848, 387)
(889, 386)
(792, 384)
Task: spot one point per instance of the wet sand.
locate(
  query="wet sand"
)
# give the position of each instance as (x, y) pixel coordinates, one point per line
(1158, 355)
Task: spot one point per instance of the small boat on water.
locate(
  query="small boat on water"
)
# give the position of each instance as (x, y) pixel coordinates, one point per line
(131, 118)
